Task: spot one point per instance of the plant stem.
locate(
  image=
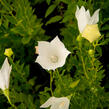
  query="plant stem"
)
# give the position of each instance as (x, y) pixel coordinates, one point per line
(92, 60)
(83, 63)
(11, 102)
(59, 76)
(51, 80)
(6, 93)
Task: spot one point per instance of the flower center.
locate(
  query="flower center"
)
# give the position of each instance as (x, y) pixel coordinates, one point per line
(54, 59)
(61, 104)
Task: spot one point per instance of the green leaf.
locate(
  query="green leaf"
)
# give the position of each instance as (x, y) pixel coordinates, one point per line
(66, 1)
(26, 40)
(50, 10)
(11, 19)
(74, 84)
(32, 81)
(37, 87)
(0, 22)
(48, 1)
(54, 19)
(106, 27)
(67, 18)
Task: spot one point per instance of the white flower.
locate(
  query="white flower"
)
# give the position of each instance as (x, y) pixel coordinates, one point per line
(52, 54)
(84, 18)
(88, 25)
(56, 103)
(5, 75)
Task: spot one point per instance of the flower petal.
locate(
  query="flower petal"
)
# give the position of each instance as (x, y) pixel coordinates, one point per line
(52, 55)
(91, 32)
(49, 102)
(88, 15)
(2, 81)
(95, 18)
(82, 19)
(57, 43)
(77, 12)
(61, 103)
(63, 56)
(43, 61)
(6, 70)
(67, 104)
(43, 46)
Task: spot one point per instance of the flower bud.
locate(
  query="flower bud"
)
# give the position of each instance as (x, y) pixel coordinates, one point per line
(36, 48)
(8, 52)
(79, 38)
(91, 52)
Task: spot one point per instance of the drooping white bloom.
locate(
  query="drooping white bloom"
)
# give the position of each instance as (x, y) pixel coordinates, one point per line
(87, 24)
(5, 75)
(56, 103)
(52, 54)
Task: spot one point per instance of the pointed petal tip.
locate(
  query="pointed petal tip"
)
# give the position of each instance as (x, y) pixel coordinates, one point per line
(69, 52)
(77, 6)
(57, 37)
(49, 102)
(36, 61)
(42, 106)
(6, 60)
(82, 7)
(98, 9)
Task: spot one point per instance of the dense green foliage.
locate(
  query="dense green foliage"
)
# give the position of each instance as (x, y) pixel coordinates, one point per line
(83, 73)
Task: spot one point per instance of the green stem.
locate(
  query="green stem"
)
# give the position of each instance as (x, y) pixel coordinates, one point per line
(83, 63)
(92, 60)
(59, 76)
(6, 93)
(11, 102)
(51, 80)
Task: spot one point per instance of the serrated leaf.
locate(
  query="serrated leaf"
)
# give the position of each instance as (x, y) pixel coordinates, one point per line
(74, 84)
(50, 10)
(54, 19)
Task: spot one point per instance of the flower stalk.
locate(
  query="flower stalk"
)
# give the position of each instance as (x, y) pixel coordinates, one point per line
(6, 93)
(51, 80)
(59, 76)
(83, 63)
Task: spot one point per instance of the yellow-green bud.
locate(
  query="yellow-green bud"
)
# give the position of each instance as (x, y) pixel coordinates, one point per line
(91, 52)
(79, 38)
(8, 52)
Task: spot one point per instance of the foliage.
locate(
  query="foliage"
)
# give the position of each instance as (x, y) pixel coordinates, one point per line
(82, 75)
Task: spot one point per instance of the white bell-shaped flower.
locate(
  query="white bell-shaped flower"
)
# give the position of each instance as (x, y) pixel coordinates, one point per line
(87, 24)
(84, 18)
(56, 103)
(52, 54)
(5, 75)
